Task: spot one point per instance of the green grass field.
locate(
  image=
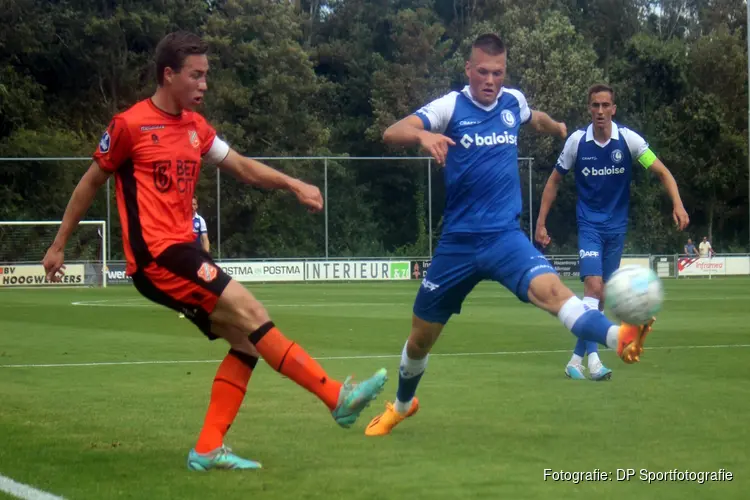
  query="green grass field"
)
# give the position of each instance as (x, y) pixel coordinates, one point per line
(496, 407)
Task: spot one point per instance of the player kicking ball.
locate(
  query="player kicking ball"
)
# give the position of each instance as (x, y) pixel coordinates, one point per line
(602, 156)
(474, 133)
(155, 150)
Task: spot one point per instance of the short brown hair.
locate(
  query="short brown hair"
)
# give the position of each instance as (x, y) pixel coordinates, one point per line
(174, 48)
(489, 43)
(601, 87)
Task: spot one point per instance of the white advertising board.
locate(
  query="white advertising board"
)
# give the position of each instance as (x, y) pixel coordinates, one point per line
(34, 275)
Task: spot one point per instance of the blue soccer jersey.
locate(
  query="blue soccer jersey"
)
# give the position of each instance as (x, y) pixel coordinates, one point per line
(481, 238)
(199, 227)
(602, 176)
(483, 186)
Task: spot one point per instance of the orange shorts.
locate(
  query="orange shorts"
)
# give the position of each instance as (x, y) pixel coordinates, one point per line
(186, 279)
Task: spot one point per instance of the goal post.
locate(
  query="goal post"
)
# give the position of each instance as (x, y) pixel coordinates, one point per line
(24, 243)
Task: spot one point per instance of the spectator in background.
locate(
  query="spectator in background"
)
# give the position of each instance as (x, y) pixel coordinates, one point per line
(690, 249)
(199, 228)
(705, 248)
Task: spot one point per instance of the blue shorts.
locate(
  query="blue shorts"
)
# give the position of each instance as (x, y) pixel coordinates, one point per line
(599, 253)
(462, 261)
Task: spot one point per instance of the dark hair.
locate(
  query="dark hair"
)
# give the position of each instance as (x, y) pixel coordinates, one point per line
(174, 48)
(601, 87)
(489, 43)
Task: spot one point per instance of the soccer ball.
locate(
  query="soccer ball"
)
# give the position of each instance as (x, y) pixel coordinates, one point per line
(634, 294)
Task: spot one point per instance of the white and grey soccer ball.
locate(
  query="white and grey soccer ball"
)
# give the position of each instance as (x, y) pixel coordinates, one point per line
(634, 294)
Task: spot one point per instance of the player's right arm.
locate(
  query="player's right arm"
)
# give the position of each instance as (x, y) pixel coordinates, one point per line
(548, 199)
(410, 132)
(565, 162)
(425, 128)
(114, 150)
(80, 201)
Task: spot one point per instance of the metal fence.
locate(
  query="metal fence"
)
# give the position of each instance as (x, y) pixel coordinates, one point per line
(247, 223)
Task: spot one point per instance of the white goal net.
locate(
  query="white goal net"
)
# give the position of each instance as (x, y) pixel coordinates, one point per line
(24, 243)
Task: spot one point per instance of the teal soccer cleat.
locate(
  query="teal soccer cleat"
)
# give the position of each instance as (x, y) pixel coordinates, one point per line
(600, 372)
(220, 458)
(575, 372)
(354, 398)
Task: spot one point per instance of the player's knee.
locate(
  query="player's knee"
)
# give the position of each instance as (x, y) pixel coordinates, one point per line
(423, 336)
(419, 345)
(253, 314)
(549, 293)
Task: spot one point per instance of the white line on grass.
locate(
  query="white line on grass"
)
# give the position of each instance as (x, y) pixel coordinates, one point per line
(272, 304)
(366, 356)
(268, 303)
(20, 490)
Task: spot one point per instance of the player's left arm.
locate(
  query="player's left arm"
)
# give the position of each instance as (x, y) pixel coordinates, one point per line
(649, 160)
(257, 174)
(253, 172)
(545, 124)
(640, 150)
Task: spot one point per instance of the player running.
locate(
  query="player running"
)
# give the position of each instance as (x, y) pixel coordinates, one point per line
(155, 150)
(474, 133)
(602, 156)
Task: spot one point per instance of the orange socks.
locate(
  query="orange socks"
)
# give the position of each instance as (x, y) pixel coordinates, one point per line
(291, 360)
(230, 385)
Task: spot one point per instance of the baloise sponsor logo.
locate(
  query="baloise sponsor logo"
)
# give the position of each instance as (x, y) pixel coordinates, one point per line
(603, 171)
(493, 139)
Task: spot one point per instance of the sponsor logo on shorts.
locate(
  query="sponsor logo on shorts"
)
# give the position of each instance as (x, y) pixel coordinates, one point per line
(207, 272)
(588, 253)
(429, 285)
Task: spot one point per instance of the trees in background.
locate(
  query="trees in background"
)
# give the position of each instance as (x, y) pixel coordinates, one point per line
(326, 77)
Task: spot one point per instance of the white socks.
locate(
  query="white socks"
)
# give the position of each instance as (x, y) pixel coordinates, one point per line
(592, 302)
(409, 369)
(613, 335)
(569, 313)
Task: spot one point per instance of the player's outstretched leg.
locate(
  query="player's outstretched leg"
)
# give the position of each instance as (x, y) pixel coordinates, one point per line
(547, 292)
(346, 401)
(413, 364)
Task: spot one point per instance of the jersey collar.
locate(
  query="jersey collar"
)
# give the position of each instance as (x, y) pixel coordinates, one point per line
(614, 136)
(467, 92)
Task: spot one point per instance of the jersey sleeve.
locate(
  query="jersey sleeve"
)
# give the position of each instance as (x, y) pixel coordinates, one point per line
(636, 144)
(203, 228)
(567, 158)
(115, 146)
(524, 110)
(436, 115)
(206, 134)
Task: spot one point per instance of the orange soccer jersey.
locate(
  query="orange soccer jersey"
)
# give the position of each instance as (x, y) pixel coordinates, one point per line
(156, 158)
